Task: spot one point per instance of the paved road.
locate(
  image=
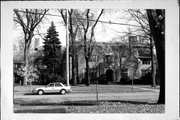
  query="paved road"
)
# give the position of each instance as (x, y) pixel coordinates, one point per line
(25, 100)
(20, 98)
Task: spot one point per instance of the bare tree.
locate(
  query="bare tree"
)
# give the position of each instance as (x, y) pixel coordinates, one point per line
(88, 25)
(28, 19)
(157, 26)
(81, 24)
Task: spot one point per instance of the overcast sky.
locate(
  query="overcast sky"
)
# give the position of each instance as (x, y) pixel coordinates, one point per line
(103, 31)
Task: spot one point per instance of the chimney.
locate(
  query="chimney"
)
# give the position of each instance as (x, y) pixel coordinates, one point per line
(132, 40)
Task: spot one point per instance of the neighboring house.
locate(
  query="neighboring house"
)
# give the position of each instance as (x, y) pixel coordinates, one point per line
(35, 58)
(18, 62)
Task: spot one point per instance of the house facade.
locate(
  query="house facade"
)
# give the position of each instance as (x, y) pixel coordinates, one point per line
(114, 62)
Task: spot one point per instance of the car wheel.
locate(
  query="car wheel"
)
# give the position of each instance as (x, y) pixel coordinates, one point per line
(63, 92)
(40, 92)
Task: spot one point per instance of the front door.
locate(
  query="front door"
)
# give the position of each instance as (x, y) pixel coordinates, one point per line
(109, 75)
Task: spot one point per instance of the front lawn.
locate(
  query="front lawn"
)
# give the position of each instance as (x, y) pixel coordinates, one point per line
(96, 107)
(118, 107)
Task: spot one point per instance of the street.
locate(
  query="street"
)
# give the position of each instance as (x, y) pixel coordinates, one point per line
(28, 100)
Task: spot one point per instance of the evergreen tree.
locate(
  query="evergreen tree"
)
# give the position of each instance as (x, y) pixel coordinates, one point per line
(52, 51)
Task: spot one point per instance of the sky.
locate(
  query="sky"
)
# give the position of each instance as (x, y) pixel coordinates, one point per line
(104, 32)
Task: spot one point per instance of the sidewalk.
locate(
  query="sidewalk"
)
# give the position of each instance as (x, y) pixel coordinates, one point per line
(145, 89)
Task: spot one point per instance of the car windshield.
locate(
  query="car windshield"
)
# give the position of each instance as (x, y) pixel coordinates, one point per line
(50, 85)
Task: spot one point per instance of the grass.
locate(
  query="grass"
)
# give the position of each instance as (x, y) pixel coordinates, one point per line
(97, 107)
(118, 107)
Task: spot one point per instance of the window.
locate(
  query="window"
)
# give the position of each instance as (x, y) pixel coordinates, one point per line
(93, 73)
(144, 72)
(58, 85)
(146, 62)
(51, 85)
(132, 40)
(108, 58)
(124, 73)
(123, 60)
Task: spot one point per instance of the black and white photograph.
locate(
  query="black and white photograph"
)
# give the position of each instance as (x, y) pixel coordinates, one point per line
(94, 61)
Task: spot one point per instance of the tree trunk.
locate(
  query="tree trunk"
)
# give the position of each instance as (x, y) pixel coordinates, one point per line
(27, 38)
(53, 69)
(87, 78)
(26, 64)
(161, 65)
(77, 69)
(73, 69)
(159, 40)
(73, 56)
(72, 37)
(152, 65)
(120, 67)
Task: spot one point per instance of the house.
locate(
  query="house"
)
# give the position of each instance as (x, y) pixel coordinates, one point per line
(116, 61)
(18, 62)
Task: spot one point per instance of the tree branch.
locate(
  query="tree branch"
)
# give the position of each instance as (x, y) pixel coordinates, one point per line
(64, 16)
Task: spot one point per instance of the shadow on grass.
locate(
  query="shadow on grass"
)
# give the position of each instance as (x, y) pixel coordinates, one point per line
(86, 103)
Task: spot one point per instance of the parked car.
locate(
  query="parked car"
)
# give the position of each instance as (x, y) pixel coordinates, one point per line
(56, 87)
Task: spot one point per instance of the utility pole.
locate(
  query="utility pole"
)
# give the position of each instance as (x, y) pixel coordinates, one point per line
(67, 51)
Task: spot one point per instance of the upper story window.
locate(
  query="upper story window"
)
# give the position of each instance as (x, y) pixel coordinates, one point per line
(124, 72)
(108, 58)
(123, 60)
(146, 62)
